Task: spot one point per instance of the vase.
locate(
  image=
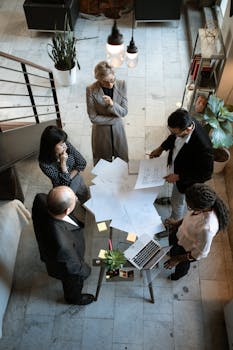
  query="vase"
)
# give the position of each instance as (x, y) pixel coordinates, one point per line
(220, 165)
(67, 77)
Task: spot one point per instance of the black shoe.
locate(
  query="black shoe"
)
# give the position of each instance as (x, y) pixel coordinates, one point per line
(162, 234)
(163, 201)
(174, 277)
(86, 299)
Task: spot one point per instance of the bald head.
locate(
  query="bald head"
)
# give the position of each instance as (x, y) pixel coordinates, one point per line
(61, 200)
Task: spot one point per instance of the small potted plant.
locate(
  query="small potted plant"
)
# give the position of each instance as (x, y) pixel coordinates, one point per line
(217, 120)
(114, 259)
(63, 52)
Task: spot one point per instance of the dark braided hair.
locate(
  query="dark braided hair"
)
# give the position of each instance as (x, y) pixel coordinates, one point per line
(201, 196)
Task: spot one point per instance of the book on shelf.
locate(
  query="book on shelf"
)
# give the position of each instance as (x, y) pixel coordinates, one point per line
(206, 69)
(196, 58)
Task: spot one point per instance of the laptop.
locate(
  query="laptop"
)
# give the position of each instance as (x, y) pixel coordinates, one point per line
(145, 253)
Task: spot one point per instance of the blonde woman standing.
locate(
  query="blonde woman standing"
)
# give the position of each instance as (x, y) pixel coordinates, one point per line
(106, 106)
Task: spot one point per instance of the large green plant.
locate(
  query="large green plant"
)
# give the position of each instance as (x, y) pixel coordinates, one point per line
(217, 120)
(114, 259)
(63, 49)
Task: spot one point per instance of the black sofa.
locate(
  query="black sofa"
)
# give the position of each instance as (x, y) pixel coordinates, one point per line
(154, 10)
(49, 15)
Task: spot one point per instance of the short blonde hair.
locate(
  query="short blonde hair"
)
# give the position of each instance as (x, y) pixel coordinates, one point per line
(102, 70)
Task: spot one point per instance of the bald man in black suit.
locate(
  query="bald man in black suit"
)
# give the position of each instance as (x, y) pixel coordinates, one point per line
(61, 242)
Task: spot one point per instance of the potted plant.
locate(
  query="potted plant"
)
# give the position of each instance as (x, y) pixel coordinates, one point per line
(217, 120)
(114, 259)
(63, 52)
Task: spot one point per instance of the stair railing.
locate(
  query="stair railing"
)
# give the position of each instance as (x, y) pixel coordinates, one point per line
(33, 87)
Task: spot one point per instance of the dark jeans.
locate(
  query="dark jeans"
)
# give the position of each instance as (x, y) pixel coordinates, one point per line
(80, 189)
(72, 287)
(183, 267)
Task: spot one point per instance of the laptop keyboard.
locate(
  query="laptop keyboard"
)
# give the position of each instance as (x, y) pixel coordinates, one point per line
(146, 253)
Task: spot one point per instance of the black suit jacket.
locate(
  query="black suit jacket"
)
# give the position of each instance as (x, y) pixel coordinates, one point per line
(61, 244)
(194, 162)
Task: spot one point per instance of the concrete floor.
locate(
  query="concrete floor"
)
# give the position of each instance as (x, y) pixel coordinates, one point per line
(187, 314)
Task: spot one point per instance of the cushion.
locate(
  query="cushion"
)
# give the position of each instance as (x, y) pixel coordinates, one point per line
(47, 2)
(10, 185)
(228, 313)
(13, 217)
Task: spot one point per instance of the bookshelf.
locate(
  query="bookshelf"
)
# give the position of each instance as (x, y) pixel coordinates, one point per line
(206, 65)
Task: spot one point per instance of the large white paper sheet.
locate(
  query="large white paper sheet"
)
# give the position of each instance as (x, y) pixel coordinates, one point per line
(114, 198)
(151, 172)
(100, 167)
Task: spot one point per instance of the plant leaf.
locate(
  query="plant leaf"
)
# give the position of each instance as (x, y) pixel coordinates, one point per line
(221, 139)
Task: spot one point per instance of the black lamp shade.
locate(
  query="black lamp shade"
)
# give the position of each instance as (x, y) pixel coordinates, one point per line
(116, 38)
(132, 48)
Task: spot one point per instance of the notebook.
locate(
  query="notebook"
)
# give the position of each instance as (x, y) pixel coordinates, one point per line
(145, 253)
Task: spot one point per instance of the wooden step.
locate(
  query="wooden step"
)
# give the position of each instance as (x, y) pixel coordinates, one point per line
(4, 126)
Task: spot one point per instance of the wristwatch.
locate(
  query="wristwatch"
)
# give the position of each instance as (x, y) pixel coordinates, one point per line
(190, 257)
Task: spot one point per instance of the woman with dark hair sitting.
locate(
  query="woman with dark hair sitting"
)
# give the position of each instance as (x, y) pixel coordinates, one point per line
(61, 162)
(191, 238)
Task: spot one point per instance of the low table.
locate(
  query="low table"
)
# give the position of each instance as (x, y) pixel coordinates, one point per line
(101, 264)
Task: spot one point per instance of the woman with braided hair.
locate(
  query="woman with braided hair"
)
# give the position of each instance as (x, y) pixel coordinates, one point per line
(191, 238)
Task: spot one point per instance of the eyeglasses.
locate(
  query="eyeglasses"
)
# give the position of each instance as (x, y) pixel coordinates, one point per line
(181, 132)
(110, 81)
(176, 132)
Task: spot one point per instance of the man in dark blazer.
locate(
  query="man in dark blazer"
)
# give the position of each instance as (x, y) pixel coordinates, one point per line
(61, 242)
(190, 158)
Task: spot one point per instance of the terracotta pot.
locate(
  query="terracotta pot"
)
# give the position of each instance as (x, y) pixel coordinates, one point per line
(219, 164)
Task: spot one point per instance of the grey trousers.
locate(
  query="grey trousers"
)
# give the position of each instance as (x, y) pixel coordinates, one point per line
(178, 204)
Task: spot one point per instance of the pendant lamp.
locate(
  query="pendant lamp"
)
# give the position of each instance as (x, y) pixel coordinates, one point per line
(132, 50)
(115, 47)
(132, 54)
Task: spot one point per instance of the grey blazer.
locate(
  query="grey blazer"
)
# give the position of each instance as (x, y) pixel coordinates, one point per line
(108, 134)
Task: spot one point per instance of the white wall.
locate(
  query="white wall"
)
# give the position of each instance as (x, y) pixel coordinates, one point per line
(225, 89)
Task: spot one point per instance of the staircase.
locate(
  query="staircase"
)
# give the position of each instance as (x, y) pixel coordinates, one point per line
(28, 103)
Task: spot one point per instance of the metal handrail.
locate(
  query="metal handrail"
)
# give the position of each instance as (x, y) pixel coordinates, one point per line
(22, 83)
(21, 60)
(5, 94)
(28, 116)
(19, 71)
(5, 107)
(31, 88)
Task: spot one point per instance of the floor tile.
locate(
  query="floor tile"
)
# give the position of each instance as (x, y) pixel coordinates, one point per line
(124, 332)
(97, 333)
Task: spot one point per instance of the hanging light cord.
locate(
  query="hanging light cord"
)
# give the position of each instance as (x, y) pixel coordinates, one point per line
(133, 18)
(132, 48)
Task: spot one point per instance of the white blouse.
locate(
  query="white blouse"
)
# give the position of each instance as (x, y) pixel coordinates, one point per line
(196, 233)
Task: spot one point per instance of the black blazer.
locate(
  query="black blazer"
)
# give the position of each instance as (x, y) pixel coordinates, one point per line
(194, 162)
(61, 244)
